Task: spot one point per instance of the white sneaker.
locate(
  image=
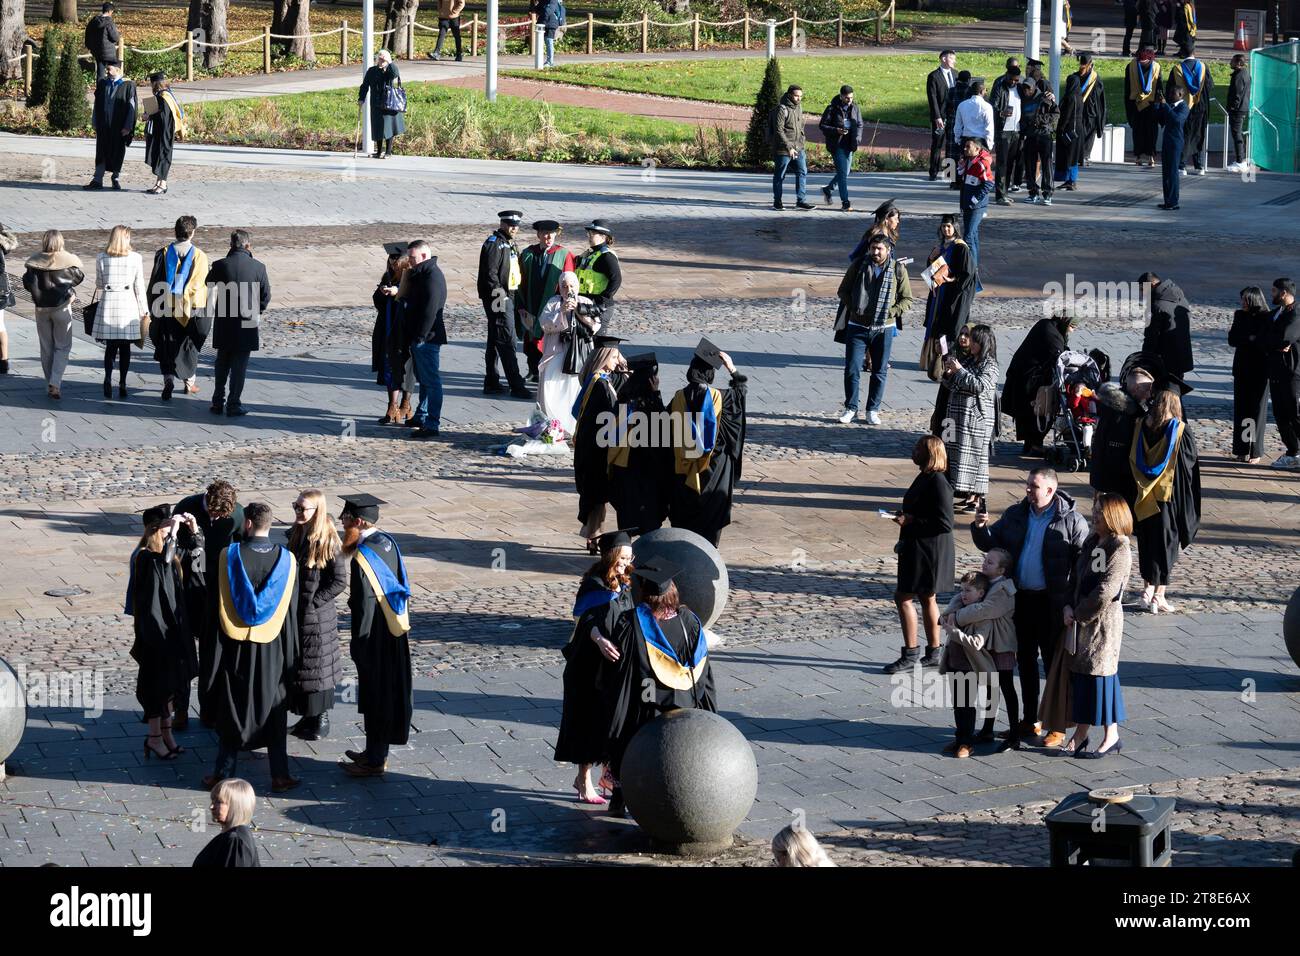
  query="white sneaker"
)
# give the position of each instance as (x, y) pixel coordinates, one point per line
(1201, 171)
(1286, 461)
(1182, 172)
(1035, 200)
(1233, 167)
(846, 416)
(1047, 200)
(873, 418)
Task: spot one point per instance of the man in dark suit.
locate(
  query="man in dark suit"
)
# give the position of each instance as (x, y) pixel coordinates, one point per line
(220, 518)
(425, 299)
(239, 291)
(937, 85)
(114, 120)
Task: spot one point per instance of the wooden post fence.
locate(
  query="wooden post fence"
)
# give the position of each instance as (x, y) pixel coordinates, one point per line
(891, 14)
(266, 50)
(121, 54)
(591, 34)
(189, 58)
(27, 71)
(473, 36)
(745, 43)
(343, 44)
(879, 19)
(839, 31)
(532, 31)
(695, 33)
(410, 38)
(645, 33)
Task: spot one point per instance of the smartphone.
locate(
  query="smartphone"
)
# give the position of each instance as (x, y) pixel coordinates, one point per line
(943, 345)
(886, 513)
(983, 508)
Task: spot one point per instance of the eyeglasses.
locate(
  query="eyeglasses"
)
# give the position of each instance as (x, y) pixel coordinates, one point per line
(302, 508)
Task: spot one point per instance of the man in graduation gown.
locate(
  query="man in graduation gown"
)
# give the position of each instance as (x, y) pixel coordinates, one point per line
(640, 462)
(540, 267)
(1141, 83)
(257, 649)
(597, 402)
(178, 298)
(1093, 96)
(1069, 132)
(1193, 78)
(380, 649)
(113, 118)
(707, 459)
(663, 663)
(499, 279)
(220, 518)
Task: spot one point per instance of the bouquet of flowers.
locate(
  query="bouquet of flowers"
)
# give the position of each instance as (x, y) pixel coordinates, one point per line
(553, 433)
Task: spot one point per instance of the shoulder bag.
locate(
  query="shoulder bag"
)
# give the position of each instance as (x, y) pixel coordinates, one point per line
(88, 313)
(395, 97)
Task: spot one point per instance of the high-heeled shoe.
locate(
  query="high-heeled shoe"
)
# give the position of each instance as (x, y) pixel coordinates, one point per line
(1098, 754)
(178, 749)
(1081, 752)
(592, 546)
(150, 752)
(108, 387)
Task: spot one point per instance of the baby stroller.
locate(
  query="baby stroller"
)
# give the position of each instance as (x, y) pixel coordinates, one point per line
(1074, 384)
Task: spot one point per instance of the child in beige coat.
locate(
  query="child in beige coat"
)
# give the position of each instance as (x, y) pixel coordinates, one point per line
(966, 657)
(996, 612)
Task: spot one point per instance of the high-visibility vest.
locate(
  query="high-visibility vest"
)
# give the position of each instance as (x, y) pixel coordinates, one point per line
(591, 282)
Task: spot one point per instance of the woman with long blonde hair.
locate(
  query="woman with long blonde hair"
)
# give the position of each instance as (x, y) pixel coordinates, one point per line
(322, 577)
(123, 306)
(795, 846)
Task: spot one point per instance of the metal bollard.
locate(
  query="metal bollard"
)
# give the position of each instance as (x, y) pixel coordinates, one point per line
(771, 39)
(539, 46)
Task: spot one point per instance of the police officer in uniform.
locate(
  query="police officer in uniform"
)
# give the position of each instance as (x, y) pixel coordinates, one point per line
(599, 274)
(498, 281)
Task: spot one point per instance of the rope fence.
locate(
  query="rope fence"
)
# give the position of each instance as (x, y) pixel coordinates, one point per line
(192, 44)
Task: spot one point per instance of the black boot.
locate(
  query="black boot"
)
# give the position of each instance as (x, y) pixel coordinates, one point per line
(909, 658)
(617, 807)
(932, 655)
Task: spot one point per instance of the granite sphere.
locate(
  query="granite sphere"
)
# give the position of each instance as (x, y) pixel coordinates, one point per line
(702, 582)
(13, 711)
(1291, 627)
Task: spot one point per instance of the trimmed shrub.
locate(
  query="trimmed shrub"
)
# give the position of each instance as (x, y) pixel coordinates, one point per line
(68, 107)
(44, 68)
(758, 140)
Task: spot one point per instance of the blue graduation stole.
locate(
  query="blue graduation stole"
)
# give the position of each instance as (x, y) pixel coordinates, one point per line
(1144, 77)
(392, 591)
(1089, 82)
(1195, 77)
(248, 615)
(598, 597)
(580, 403)
(669, 669)
(704, 423)
(1154, 471)
(178, 270)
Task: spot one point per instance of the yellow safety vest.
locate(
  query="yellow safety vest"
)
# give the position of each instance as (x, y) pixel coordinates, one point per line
(591, 282)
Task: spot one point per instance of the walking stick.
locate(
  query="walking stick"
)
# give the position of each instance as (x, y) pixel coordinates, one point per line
(356, 140)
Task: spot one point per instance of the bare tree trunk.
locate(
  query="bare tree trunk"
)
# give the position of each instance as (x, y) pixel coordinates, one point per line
(65, 11)
(194, 18)
(297, 23)
(12, 32)
(277, 23)
(213, 24)
(398, 15)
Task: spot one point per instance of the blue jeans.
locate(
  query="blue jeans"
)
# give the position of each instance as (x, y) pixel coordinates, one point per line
(427, 357)
(858, 341)
(843, 160)
(783, 164)
(550, 47)
(1071, 175)
(970, 228)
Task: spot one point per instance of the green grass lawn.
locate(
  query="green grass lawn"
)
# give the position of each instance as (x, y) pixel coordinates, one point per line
(890, 87)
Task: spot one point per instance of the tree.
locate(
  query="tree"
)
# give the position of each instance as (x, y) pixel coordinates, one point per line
(12, 33)
(65, 11)
(297, 23)
(397, 15)
(212, 23)
(758, 140)
(68, 106)
(44, 70)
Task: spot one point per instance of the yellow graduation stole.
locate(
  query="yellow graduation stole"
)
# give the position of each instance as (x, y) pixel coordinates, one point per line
(1151, 491)
(692, 467)
(178, 118)
(1189, 14)
(1089, 84)
(1143, 100)
(668, 670)
(398, 624)
(233, 627)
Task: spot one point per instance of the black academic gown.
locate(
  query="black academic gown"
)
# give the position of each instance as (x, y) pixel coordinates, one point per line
(176, 344)
(1163, 536)
(160, 138)
(584, 722)
(233, 847)
(1070, 127)
(164, 644)
(1032, 366)
(201, 584)
(709, 511)
(640, 491)
(383, 659)
(1093, 118)
(114, 120)
(947, 307)
(250, 680)
(590, 460)
(631, 678)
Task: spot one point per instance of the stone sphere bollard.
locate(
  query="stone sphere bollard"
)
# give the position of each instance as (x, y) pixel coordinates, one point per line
(13, 712)
(689, 778)
(1291, 627)
(702, 582)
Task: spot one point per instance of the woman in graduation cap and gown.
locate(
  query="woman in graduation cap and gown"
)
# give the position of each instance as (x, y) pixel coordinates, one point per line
(257, 649)
(604, 594)
(640, 467)
(661, 660)
(1167, 472)
(948, 305)
(164, 643)
(380, 649)
(600, 381)
(708, 457)
(161, 130)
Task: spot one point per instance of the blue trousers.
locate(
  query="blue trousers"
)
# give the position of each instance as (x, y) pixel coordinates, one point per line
(550, 47)
(1071, 175)
(783, 164)
(970, 228)
(859, 341)
(427, 358)
(1169, 171)
(843, 160)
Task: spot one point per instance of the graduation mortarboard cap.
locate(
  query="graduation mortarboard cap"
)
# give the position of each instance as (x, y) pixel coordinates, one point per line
(512, 216)
(709, 354)
(1173, 383)
(152, 517)
(158, 77)
(622, 538)
(646, 362)
(365, 507)
(546, 225)
(1032, 62)
(395, 248)
(606, 341)
(655, 577)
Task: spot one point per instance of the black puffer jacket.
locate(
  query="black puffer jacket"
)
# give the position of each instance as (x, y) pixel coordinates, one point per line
(320, 666)
(52, 278)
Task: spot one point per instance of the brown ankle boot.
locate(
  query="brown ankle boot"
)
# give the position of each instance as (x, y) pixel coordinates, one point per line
(390, 416)
(404, 410)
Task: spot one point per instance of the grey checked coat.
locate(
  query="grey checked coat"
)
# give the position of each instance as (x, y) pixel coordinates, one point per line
(968, 427)
(119, 280)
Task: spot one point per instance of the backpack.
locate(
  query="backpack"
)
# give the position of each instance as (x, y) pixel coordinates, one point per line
(560, 14)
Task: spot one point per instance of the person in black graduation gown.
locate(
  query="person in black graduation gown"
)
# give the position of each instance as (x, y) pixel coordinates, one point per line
(232, 807)
(380, 648)
(707, 460)
(947, 307)
(220, 518)
(113, 118)
(1248, 336)
(661, 653)
(178, 298)
(164, 643)
(640, 465)
(601, 377)
(257, 649)
(604, 594)
(1032, 367)
(161, 130)
(1069, 133)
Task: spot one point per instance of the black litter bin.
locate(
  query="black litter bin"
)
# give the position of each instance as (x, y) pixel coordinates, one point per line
(1111, 828)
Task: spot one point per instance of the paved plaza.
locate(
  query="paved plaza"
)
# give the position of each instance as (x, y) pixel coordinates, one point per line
(492, 542)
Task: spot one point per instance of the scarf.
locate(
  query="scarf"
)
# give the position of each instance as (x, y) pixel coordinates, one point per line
(883, 297)
(1155, 468)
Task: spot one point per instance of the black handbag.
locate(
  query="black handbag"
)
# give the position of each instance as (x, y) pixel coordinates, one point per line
(578, 352)
(394, 98)
(88, 313)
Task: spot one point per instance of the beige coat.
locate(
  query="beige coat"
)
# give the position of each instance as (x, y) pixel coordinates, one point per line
(450, 9)
(1100, 576)
(997, 611)
(972, 641)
